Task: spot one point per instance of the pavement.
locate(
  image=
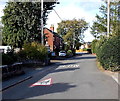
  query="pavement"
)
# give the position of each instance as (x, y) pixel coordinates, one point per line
(114, 75)
(29, 73)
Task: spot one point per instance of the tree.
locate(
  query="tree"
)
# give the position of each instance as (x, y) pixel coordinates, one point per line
(22, 22)
(72, 30)
(99, 26)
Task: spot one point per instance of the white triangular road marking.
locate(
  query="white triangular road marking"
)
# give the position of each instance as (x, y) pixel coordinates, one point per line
(45, 82)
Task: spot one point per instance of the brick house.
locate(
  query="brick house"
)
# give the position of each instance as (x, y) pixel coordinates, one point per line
(54, 41)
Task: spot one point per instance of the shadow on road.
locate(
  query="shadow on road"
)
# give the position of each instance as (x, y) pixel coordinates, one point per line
(65, 69)
(68, 64)
(86, 57)
(44, 90)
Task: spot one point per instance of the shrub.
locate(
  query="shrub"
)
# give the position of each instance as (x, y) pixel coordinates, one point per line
(108, 53)
(33, 51)
(93, 46)
(85, 49)
(42, 51)
(9, 58)
(22, 55)
(69, 53)
(6, 59)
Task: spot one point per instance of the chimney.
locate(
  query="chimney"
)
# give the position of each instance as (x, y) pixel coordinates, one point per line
(52, 28)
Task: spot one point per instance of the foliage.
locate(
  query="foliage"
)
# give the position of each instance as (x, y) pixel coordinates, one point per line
(72, 31)
(99, 26)
(78, 44)
(6, 59)
(93, 46)
(85, 49)
(22, 21)
(33, 51)
(69, 53)
(9, 58)
(108, 52)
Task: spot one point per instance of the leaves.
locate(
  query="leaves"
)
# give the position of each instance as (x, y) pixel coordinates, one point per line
(22, 21)
(99, 26)
(72, 30)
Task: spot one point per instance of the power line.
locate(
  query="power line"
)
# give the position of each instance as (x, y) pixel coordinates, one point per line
(57, 14)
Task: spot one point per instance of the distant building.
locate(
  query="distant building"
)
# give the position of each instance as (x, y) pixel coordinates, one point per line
(88, 45)
(53, 40)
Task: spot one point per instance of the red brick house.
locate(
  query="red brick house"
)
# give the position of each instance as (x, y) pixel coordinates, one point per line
(54, 41)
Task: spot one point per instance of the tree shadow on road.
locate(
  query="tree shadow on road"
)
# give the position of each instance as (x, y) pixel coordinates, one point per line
(64, 69)
(86, 57)
(67, 63)
(44, 90)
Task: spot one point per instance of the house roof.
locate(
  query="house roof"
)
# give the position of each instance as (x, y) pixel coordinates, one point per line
(54, 33)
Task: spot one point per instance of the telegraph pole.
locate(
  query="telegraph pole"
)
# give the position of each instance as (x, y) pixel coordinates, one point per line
(108, 17)
(42, 34)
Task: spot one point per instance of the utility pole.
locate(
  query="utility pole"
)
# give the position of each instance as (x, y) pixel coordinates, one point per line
(108, 17)
(73, 40)
(42, 34)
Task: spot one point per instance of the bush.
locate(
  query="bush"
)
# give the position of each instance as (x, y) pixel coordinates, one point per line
(6, 59)
(33, 51)
(108, 53)
(69, 53)
(85, 49)
(9, 58)
(93, 46)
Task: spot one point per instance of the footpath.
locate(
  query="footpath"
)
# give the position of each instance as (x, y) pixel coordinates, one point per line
(29, 73)
(114, 75)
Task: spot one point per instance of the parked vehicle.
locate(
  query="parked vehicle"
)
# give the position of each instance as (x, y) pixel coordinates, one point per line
(5, 49)
(62, 53)
(53, 54)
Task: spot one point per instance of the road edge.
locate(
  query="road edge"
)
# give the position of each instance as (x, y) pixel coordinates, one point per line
(5, 88)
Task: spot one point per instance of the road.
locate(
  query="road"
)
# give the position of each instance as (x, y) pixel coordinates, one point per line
(75, 78)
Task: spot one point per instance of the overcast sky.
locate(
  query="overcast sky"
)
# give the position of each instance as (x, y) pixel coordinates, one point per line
(69, 9)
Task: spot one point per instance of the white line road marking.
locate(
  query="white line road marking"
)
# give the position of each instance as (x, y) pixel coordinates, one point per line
(69, 66)
(62, 66)
(116, 79)
(46, 82)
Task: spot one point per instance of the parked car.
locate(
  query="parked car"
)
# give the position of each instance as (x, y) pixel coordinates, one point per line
(53, 54)
(5, 49)
(62, 53)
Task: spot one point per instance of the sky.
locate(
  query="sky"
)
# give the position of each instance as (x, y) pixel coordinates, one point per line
(70, 9)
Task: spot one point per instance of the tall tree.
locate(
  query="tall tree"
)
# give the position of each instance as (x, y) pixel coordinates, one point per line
(22, 22)
(71, 30)
(99, 26)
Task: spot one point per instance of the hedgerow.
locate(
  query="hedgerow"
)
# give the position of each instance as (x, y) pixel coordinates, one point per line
(33, 51)
(108, 52)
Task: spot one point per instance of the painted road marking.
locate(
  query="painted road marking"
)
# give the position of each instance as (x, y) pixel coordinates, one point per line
(116, 79)
(69, 66)
(46, 82)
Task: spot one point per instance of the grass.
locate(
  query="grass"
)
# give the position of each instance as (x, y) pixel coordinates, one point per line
(99, 66)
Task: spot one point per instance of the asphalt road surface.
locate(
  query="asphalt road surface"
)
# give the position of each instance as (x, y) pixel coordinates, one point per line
(75, 78)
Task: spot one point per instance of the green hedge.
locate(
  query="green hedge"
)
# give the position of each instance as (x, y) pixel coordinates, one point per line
(9, 58)
(33, 51)
(85, 49)
(93, 46)
(69, 53)
(107, 51)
